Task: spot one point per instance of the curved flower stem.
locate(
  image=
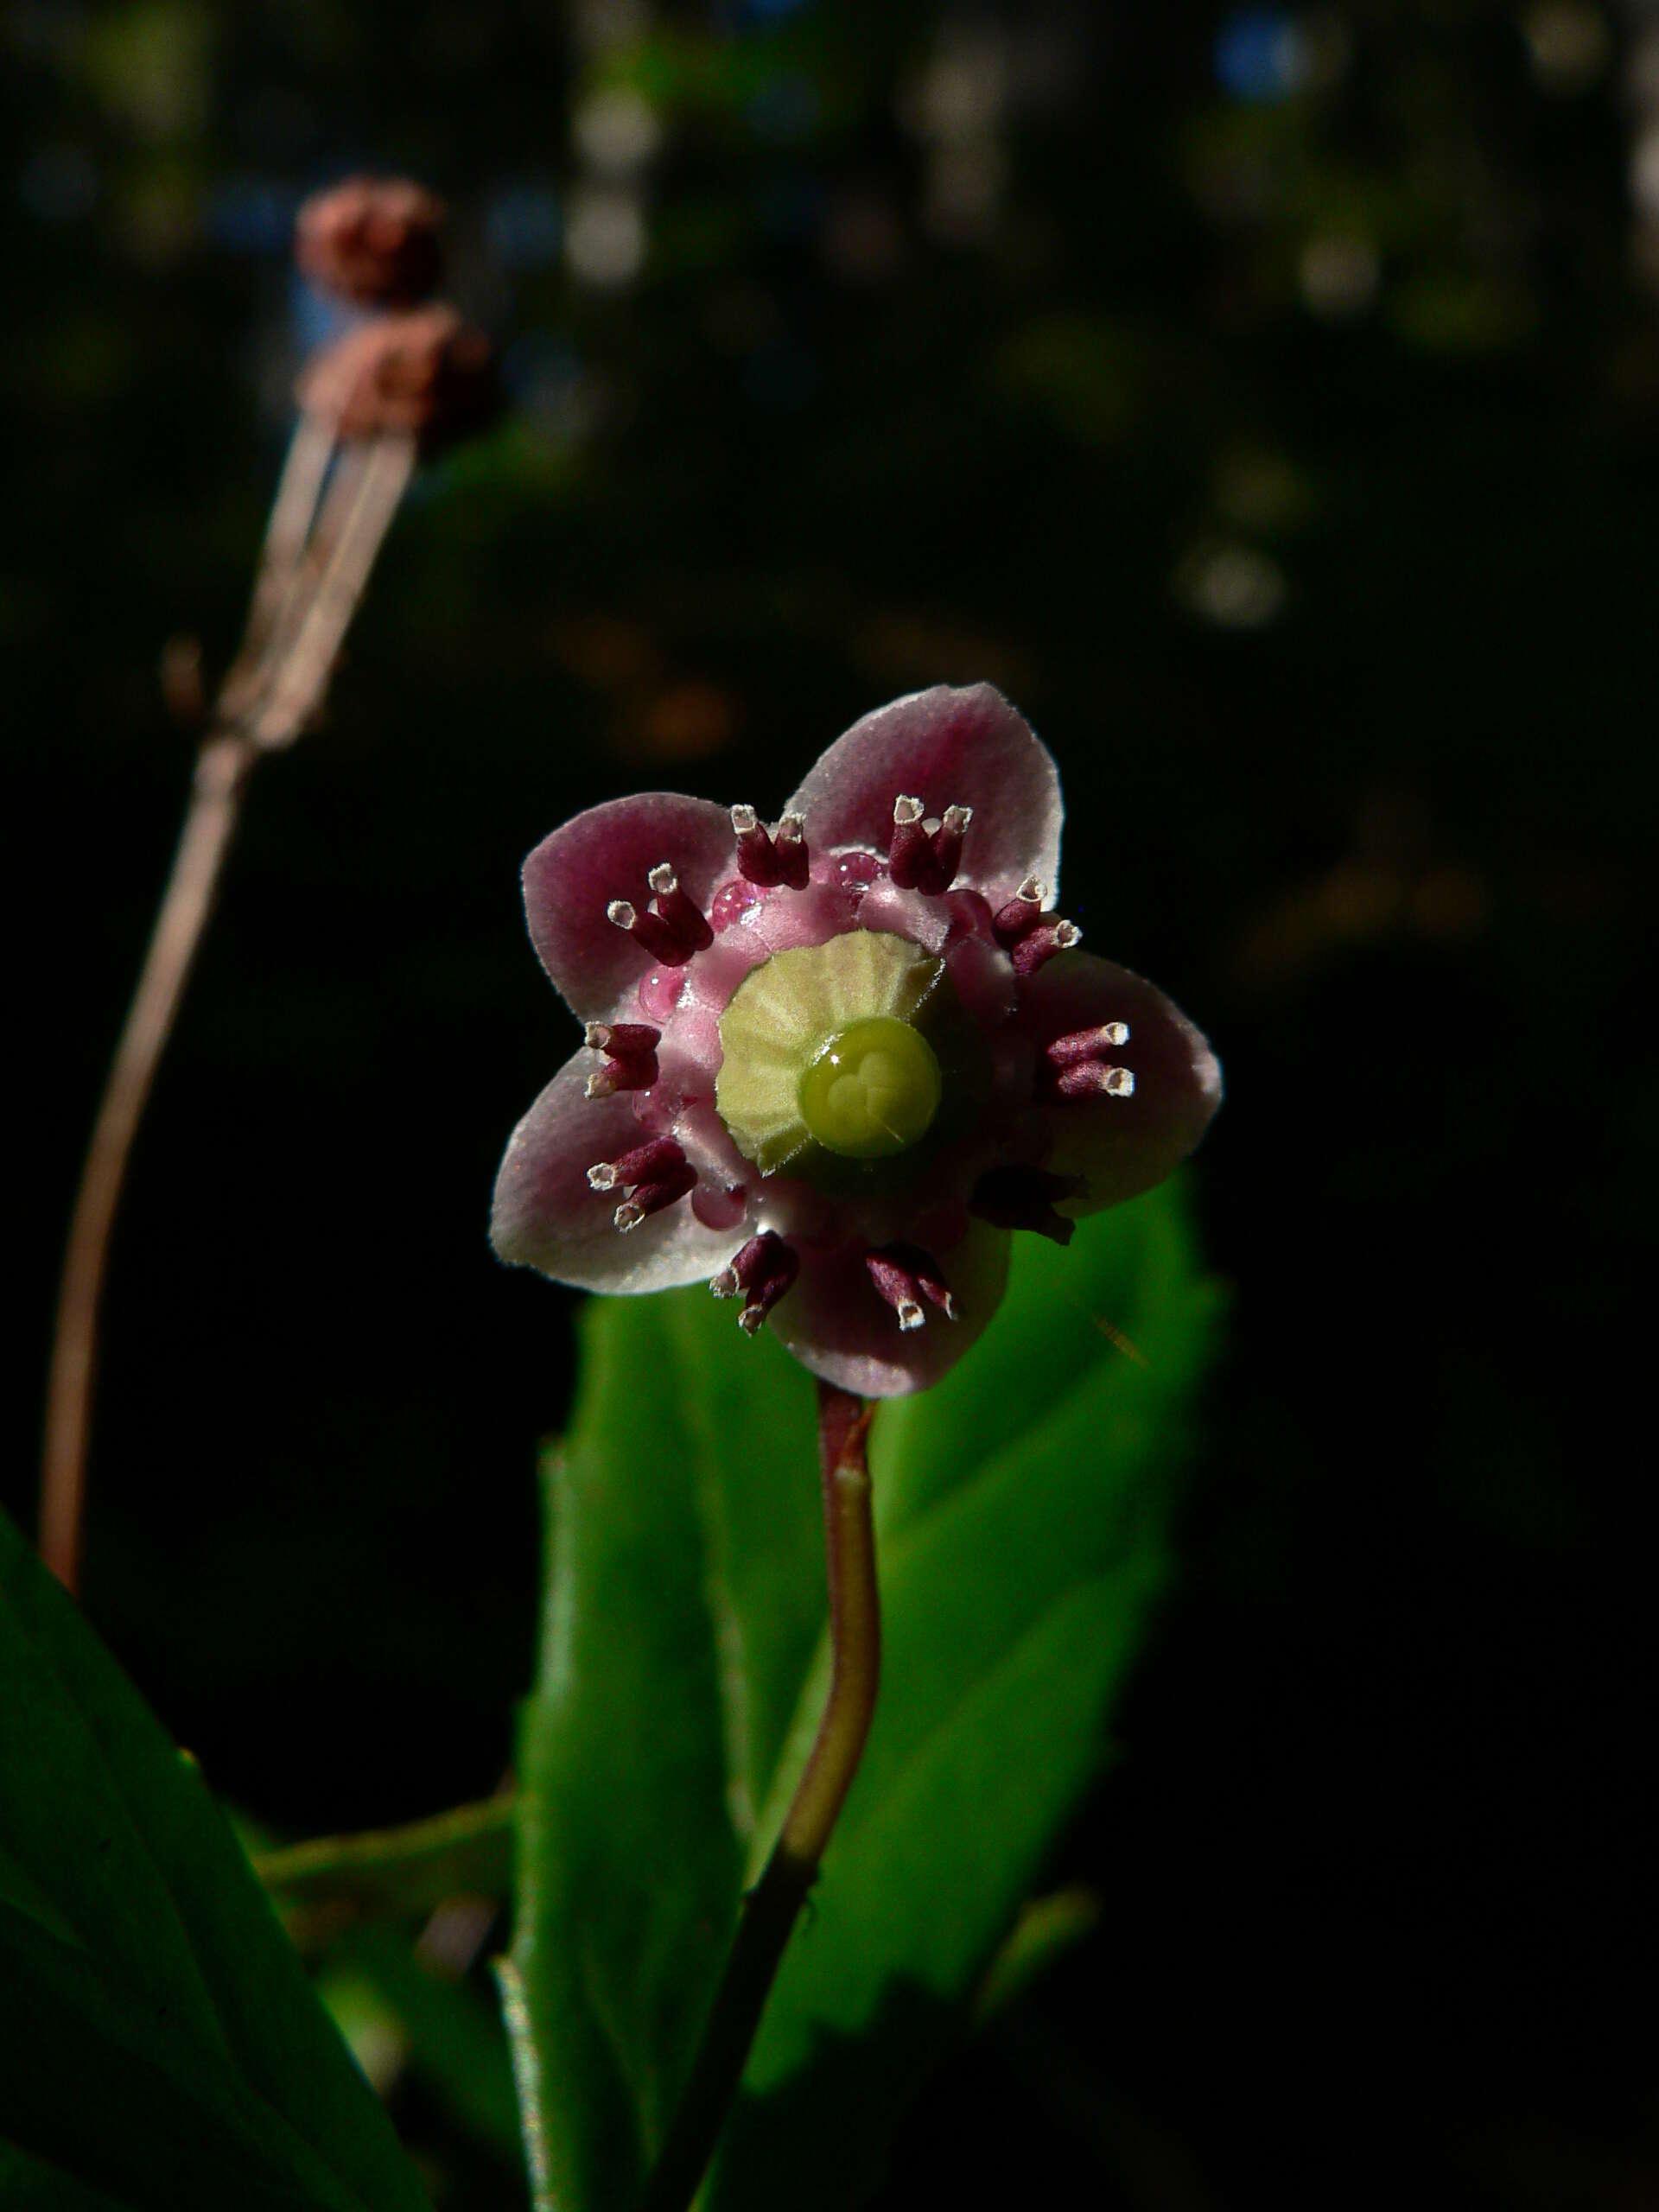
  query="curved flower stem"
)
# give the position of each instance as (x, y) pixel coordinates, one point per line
(215, 804)
(771, 1907)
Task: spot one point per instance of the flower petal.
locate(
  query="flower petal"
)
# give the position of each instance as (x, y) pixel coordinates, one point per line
(606, 853)
(946, 747)
(835, 1322)
(1122, 1146)
(544, 1215)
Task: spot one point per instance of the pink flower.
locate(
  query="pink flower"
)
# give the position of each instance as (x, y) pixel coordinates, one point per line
(829, 1067)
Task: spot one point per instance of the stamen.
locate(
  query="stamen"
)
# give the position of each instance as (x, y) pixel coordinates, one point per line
(790, 841)
(1023, 1197)
(757, 860)
(1085, 1044)
(1040, 945)
(624, 1038)
(1021, 914)
(683, 914)
(780, 857)
(946, 854)
(764, 1269)
(904, 1274)
(631, 1050)
(651, 1198)
(909, 844)
(644, 1164)
(1088, 1079)
(650, 933)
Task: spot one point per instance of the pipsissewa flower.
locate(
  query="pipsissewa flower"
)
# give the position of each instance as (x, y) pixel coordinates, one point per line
(830, 1067)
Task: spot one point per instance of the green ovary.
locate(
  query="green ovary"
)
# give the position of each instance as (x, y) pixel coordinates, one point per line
(872, 1091)
(821, 1052)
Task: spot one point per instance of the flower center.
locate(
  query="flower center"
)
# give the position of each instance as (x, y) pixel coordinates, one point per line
(823, 1051)
(873, 1090)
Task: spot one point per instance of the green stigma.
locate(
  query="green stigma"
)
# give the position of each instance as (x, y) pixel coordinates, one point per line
(872, 1091)
(822, 1052)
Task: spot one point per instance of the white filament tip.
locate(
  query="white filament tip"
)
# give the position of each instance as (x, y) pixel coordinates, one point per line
(911, 1315)
(1034, 890)
(744, 819)
(752, 1319)
(1114, 1032)
(725, 1284)
(905, 811)
(628, 1214)
(1117, 1082)
(663, 879)
(949, 1309)
(601, 1085)
(792, 828)
(1067, 934)
(596, 1036)
(601, 1176)
(958, 818)
(621, 913)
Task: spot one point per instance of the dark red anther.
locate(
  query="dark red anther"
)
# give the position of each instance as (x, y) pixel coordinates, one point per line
(630, 1050)
(643, 1164)
(944, 852)
(910, 849)
(647, 1198)
(904, 1275)
(682, 914)
(1023, 1197)
(1090, 1079)
(763, 1271)
(1040, 945)
(789, 842)
(1076, 1066)
(1085, 1044)
(628, 1040)
(650, 933)
(758, 859)
(1020, 916)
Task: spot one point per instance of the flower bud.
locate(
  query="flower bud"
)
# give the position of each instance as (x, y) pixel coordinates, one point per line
(370, 239)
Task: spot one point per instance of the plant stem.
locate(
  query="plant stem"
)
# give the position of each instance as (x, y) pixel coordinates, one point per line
(307, 592)
(770, 1909)
(215, 804)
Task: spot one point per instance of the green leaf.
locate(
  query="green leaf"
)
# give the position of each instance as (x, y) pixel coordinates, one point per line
(1022, 1506)
(160, 2045)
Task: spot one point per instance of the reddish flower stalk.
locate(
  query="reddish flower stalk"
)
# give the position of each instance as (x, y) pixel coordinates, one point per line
(772, 1907)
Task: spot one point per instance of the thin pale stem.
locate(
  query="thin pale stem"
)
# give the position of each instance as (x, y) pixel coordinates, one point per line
(314, 570)
(308, 659)
(215, 803)
(772, 1907)
(292, 514)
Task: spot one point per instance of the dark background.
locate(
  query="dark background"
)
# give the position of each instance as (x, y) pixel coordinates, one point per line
(1270, 402)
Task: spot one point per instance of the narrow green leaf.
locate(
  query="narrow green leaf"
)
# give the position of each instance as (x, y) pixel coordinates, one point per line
(396, 1870)
(159, 2042)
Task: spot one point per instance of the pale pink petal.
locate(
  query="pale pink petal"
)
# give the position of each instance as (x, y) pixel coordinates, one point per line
(606, 853)
(546, 1214)
(946, 747)
(1120, 1146)
(836, 1324)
